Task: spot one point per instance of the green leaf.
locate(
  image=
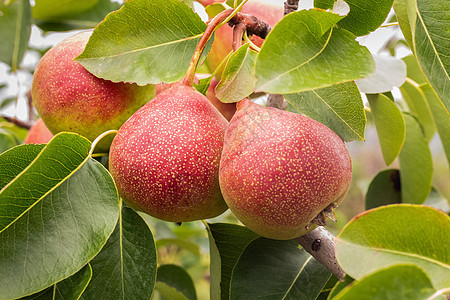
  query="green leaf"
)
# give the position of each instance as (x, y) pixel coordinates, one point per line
(48, 9)
(396, 282)
(441, 118)
(418, 106)
(203, 85)
(365, 15)
(431, 42)
(146, 41)
(277, 270)
(304, 52)
(83, 20)
(416, 165)
(7, 141)
(173, 282)
(339, 107)
(227, 242)
(15, 21)
(64, 155)
(405, 12)
(394, 234)
(339, 286)
(127, 263)
(390, 72)
(56, 214)
(238, 79)
(384, 189)
(390, 126)
(413, 70)
(68, 289)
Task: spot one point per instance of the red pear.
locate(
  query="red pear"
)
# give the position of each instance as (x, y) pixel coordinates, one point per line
(38, 134)
(69, 98)
(165, 158)
(280, 170)
(264, 10)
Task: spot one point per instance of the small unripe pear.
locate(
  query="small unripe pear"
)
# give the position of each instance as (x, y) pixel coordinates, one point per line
(165, 158)
(69, 98)
(280, 170)
(38, 134)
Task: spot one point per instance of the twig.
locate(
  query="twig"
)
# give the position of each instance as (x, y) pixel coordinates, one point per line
(320, 244)
(253, 24)
(275, 100)
(238, 32)
(17, 122)
(290, 6)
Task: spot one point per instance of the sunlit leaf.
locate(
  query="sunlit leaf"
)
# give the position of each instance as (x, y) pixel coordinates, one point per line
(396, 234)
(48, 9)
(146, 41)
(304, 52)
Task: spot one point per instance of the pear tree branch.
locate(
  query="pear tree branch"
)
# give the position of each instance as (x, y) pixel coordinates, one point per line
(320, 244)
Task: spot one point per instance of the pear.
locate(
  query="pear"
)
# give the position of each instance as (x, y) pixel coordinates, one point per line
(165, 158)
(280, 172)
(69, 98)
(38, 134)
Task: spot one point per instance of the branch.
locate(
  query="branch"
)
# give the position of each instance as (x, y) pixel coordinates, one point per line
(17, 122)
(320, 244)
(290, 6)
(253, 24)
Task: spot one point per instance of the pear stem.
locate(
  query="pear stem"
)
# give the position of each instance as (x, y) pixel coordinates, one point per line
(188, 79)
(320, 244)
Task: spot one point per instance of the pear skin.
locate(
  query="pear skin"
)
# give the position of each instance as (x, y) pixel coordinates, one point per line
(279, 170)
(165, 158)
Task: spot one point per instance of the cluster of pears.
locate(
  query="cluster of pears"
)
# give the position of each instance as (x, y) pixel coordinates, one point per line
(178, 158)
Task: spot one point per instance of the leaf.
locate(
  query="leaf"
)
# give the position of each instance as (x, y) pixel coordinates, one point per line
(394, 234)
(384, 189)
(203, 85)
(146, 41)
(429, 39)
(390, 72)
(173, 282)
(339, 286)
(83, 20)
(339, 107)
(238, 79)
(227, 242)
(418, 106)
(56, 213)
(431, 42)
(277, 270)
(396, 282)
(416, 165)
(67, 289)
(413, 70)
(365, 15)
(7, 141)
(15, 21)
(127, 263)
(48, 9)
(184, 244)
(390, 126)
(441, 118)
(304, 52)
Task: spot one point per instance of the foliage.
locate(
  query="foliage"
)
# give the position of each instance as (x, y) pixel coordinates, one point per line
(65, 233)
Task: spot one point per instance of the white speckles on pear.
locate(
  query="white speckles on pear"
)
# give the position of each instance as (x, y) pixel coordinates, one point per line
(165, 158)
(279, 170)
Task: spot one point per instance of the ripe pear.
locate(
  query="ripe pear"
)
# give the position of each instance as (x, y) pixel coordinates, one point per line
(279, 170)
(69, 98)
(264, 10)
(165, 158)
(38, 134)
